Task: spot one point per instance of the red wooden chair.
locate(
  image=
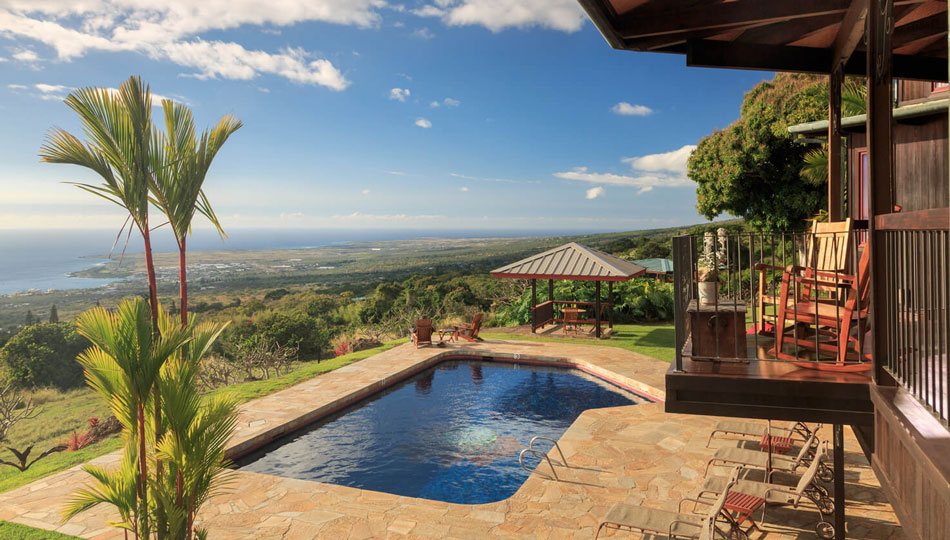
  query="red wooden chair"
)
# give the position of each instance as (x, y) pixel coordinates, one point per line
(839, 328)
(469, 332)
(422, 333)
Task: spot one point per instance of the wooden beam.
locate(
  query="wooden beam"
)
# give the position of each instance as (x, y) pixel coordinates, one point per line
(642, 22)
(880, 164)
(925, 28)
(783, 33)
(850, 32)
(720, 54)
(834, 143)
(921, 220)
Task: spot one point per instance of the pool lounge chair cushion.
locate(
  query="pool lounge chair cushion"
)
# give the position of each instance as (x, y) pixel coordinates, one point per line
(650, 519)
(759, 459)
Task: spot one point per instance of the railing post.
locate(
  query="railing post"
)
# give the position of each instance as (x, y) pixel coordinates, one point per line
(682, 268)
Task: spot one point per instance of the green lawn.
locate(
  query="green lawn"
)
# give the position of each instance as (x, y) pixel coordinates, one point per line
(655, 340)
(61, 413)
(13, 531)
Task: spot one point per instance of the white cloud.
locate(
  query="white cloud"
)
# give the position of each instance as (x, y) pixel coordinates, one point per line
(667, 169)
(674, 161)
(423, 33)
(399, 94)
(26, 55)
(17, 86)
(499, 180)
(423, 123)
(595, 192)
(448, 102)
(625, 109)
(463, 189)
(48, 88)
(169, 31)
(365, 192)
(497, 15)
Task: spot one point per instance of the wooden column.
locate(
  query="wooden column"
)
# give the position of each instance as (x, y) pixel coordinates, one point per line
(551, 292)
(610, 300)
(597, 309)
(838, 440)
(834, 143)
(534, 301)
(880, 164)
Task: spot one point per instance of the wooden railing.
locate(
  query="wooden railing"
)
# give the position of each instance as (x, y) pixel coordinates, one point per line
(916, 286)
(544, 313)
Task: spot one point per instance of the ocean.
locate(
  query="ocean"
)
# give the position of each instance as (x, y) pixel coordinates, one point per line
(42, 259)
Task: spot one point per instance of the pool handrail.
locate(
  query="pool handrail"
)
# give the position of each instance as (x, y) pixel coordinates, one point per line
(544, 455)
(548, 439)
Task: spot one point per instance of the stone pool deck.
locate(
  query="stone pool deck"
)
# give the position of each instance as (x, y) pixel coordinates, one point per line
(636, 454)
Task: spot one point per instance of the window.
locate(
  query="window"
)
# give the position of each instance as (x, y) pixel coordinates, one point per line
(940, 87)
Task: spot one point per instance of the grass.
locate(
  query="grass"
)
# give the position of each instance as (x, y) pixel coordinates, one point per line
(13, 531)
(654, 340)
(61, 413)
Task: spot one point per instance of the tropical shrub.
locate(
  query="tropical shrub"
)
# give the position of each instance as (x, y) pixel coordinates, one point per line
(44, 354)
(309, 336)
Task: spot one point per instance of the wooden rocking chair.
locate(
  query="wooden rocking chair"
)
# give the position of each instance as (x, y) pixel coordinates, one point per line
(838, 329)
(826, 251)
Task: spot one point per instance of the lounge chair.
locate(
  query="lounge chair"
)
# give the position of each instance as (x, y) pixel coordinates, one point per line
(781, 495)
(673, 524)
(422, 333)
(838, 329)
(770, 462)
(469, 332)
(795, 430)
(828, 248)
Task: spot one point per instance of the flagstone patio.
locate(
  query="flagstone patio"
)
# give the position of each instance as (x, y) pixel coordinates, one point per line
(636, 454)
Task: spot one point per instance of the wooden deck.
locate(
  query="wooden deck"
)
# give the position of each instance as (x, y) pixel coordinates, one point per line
(769, 389)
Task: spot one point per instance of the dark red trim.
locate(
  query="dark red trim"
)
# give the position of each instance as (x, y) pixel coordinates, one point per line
(937, 219)
(566, 277)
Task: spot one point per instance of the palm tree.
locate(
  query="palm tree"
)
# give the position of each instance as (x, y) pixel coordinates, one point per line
(119, 128)
(181, 164)
(123, 366)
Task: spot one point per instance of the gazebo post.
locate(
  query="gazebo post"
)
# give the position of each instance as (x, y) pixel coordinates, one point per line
(551, 299)
(610, 300)
(597, 309)
(534, 302)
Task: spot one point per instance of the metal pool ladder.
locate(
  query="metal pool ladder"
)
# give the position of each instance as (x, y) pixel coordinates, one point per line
(544, 455)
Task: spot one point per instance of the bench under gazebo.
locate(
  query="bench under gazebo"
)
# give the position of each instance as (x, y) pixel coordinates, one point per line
(571, 262)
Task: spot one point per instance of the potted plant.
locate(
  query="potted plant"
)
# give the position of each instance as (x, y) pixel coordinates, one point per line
(712, 259)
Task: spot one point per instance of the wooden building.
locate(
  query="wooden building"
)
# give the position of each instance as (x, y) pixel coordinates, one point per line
(920, 148)
(899, 409)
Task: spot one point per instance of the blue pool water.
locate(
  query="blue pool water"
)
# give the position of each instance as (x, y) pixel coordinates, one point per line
(451, 433)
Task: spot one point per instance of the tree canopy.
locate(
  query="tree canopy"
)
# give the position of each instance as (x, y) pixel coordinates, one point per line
(752, 168)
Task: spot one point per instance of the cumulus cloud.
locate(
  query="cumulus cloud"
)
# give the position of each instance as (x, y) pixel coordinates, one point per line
(625, 109)
(651, 171)
(595, 192)
(399, 94)
(448, 102)
(169, 31)
(497, 15)
(673, 161)
(423, 123)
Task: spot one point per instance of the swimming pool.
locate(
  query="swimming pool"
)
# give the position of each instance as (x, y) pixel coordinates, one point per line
(450, 433)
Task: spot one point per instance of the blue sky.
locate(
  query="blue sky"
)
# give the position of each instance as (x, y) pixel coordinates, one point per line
(443, 114)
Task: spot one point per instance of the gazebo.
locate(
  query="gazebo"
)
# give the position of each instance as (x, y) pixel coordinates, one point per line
(572, 262)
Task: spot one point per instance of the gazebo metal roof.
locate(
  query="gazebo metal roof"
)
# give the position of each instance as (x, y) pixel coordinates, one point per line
(571, 261)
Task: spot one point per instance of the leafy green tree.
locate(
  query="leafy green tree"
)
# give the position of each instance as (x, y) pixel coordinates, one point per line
(53, 314)
(752, 168)
(44, 354)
